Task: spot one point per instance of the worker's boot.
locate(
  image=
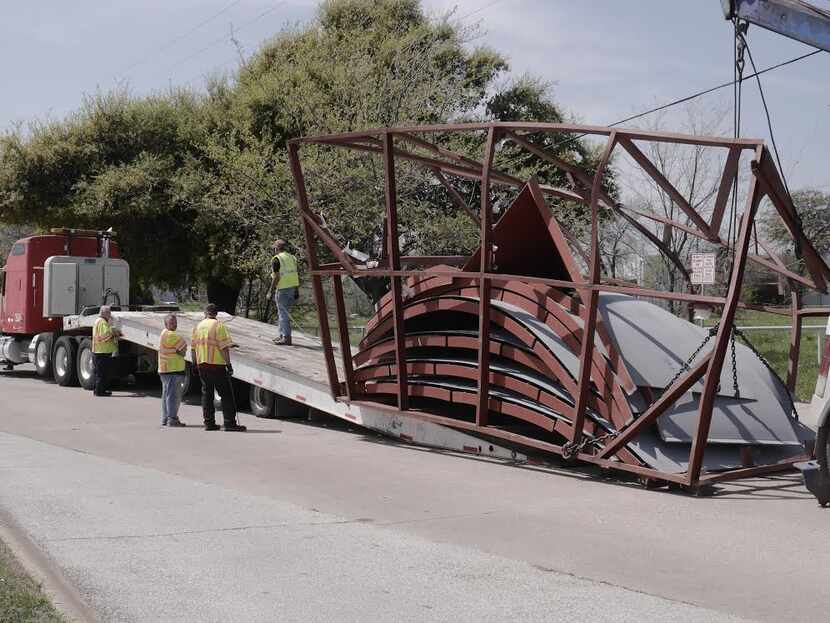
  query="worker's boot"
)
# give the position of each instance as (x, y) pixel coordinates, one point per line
(233, 427)
(282, 341)
(211, 426)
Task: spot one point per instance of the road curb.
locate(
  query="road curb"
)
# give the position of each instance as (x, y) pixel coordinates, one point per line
(63, 595)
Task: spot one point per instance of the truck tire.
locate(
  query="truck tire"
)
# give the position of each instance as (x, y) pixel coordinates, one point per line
(64, 360)
(287, 408)
(43, 356)
(822, 457)
(823, 449)
(86, 365)
(261, 401)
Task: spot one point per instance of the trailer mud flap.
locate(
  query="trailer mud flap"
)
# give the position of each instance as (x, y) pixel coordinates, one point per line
(816, 482)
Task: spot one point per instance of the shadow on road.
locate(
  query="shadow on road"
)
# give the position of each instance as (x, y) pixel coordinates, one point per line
(786, 487)
(781, 487)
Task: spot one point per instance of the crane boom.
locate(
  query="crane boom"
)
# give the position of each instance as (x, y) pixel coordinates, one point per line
(796, 19)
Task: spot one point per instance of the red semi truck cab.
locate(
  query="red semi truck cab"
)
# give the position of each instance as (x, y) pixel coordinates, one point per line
(22, 285)
(21, 280)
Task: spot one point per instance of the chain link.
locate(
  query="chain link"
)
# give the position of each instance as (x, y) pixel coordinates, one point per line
(686, 365)
(734, 365)
(570, 450)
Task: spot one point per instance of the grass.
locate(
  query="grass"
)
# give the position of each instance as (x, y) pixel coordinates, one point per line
(774, 345)
(21, 599)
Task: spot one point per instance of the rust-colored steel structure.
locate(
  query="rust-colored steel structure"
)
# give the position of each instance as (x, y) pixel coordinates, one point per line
(543, 351)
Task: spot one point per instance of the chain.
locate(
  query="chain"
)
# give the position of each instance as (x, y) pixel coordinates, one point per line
(686, 365)
(767, 365)
(570, 449)
(734, 366)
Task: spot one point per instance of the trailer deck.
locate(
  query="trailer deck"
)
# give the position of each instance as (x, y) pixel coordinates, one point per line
(298, 373)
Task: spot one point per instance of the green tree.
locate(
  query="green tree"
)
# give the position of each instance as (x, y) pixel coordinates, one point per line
(198, 186)
(813, 208)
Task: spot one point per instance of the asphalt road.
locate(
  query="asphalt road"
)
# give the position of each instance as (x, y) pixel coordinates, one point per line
(300, 522)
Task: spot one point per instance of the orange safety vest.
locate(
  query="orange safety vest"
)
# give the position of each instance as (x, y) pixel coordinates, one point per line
(169, 358)
(209, 338)
(103, 339)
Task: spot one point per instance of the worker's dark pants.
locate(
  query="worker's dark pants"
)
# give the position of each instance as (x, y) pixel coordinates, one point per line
(103, 371)
(217, 378)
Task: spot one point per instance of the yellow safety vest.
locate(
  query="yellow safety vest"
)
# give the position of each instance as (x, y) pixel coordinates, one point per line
(209, 338)
(103, 339)
(169, 358)
(289, 277)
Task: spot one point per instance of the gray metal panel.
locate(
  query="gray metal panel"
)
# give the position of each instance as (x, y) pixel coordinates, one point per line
(654, 344)
(60, 291)
(734, 421)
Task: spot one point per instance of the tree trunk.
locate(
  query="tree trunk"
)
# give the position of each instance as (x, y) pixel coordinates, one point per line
(225, 296)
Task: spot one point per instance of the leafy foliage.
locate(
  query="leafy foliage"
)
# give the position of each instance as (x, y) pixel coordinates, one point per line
(813, 208)
(197, 185)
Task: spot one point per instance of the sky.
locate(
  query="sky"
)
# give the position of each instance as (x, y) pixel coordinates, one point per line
(604, 59)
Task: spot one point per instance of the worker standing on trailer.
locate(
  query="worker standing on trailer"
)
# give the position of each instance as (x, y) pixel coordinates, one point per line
(104, 345)
(210, 350)
(172, 349)
(285, 284)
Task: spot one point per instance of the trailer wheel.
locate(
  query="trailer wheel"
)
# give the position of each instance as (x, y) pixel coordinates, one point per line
(262, 402)
(287, 408)
(86, 365)
(43, 356)
(64, 359)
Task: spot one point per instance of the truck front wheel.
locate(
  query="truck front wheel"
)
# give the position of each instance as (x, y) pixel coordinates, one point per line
(86, 365)
(43, 356)
(64, 361)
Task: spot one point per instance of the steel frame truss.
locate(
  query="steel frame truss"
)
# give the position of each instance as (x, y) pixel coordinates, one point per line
(407, 144)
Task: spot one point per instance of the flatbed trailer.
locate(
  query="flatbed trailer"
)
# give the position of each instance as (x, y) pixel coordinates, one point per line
(294, 377)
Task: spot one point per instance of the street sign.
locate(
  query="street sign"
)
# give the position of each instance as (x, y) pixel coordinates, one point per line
(703, 268)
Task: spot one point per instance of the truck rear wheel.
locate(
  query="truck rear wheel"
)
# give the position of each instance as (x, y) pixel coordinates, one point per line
(287, 408)
(64, 361)
(43, 356)
(262, 402)
(86, 365)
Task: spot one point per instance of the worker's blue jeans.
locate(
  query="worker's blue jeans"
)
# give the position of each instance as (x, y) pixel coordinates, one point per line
(171, 397)
(285, 299)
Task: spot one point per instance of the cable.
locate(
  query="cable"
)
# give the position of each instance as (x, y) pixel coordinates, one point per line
(175, 40)
(769, 120)
(690, 97)
(223, 38)
(480, 9)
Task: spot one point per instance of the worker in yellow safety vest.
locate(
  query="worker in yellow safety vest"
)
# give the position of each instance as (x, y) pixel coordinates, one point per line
(210, 350)
(172, 349)
(104, 345)
(285, 284)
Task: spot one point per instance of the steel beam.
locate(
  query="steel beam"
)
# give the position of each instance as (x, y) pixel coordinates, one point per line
(486, 253)
(590, 316)
(795, 341)
(343, 331)
(655, 174)
(795, 19)
(394, 253)
(313, 263)
(727, 322)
